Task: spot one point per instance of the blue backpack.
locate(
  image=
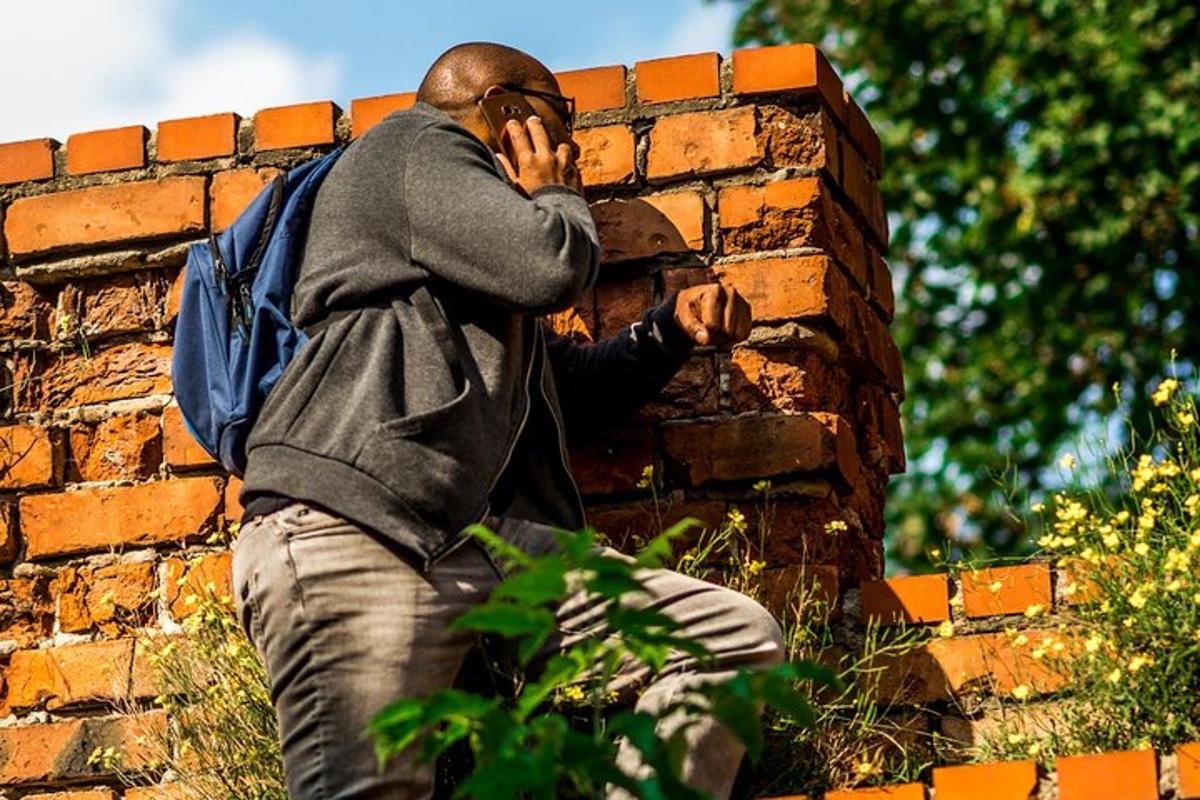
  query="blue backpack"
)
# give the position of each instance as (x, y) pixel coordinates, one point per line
(234, 334)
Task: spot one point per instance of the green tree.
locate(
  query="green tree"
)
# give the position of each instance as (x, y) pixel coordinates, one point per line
(1041, 169)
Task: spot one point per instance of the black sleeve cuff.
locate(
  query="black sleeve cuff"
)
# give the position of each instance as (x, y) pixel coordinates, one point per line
(666, 331)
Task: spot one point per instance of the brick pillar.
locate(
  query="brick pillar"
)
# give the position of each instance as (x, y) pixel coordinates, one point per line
(757, 171)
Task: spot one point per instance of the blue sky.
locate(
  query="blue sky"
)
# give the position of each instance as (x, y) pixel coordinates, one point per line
(90, 64)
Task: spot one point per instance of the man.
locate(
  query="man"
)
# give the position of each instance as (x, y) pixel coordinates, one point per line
(375, 449)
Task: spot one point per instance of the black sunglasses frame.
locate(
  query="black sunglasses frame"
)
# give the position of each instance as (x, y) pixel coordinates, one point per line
(568, 101)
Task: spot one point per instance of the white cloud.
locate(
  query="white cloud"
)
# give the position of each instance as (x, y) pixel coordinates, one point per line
(89, 64)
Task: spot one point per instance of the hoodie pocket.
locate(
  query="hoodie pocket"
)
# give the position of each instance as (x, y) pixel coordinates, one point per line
(430, 460)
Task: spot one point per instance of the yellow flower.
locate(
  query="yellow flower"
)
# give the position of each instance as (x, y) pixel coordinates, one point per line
(762, 485)
(946, 629)
(1067, 461)
(1111, 540)
(1020, 692)
(1034, 749)
(1115, 675)
(1139, 661)
(833, 526)
(1033, 610)
(755, 567)
(1093, 643)
(1021, 640)
(1016, 738)
(1038, 507)
(736, 519)
(1163, 393)
(1141, 548)
(647, 477)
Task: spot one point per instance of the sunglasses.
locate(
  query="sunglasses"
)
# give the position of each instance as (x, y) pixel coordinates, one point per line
(564, 106)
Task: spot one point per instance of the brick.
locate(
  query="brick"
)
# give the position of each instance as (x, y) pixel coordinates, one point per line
(174, 296)
(621, 302)
(232, 191)
(166, 791)
(805, 138)
(1012, 780)
(790, 213)
(606, 155)
(863, 134)
(113, 305)
(30, 160)
(864, 192)
(233, 505)
(913, 599)
(30, 457)
(678, 78)
(578, 322)
(961, 665)
(96, 519)
(883, 296)
(25, 311)
(104, 598)
(787, 380)
(907, 791)
(1187, 757)
(777, 289)
(86, 794)
(127, 446)
(643, 227)
(869, 344)
(56, 677)
(367, 112)
(1031, 720)
(28, 610)
(50, 381)
(787, 67)
(629, 524)
(703, 143)
(209, 573)
(179, 446)
(1005, 590)
(801, 591)
(57, 751)
(614, 463)
(210, 136)
(748, 447)
(299, 125)
(9, 539)
(102, 215)
(1129, 775)
(106, 150)
(594, 89)
(693, 391)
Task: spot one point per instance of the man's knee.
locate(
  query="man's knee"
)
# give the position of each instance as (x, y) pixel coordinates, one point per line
(757, 630)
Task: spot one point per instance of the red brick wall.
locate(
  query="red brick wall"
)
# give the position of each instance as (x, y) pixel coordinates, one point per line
(757, 171)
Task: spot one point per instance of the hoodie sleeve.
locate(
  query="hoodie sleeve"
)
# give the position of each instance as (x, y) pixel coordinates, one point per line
(602, 384)
(471, 227)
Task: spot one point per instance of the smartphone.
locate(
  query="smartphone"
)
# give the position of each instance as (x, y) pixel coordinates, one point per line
(499, 109)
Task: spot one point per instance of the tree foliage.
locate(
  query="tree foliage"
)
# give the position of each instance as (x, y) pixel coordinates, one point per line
(1041, 167)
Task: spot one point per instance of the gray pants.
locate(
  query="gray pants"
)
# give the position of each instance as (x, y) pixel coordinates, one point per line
(346, 623)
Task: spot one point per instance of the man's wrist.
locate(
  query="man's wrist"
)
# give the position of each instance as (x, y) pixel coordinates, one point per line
(665, 329)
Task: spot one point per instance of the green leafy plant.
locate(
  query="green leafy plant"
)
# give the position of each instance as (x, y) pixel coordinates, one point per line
(522, 744)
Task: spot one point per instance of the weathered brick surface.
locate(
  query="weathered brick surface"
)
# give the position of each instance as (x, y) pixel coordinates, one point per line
(104, 215)
(30, 457)
(595, 88)
(233, 508)
(1014, 780)
(300, 125)
(95, 519)
(647, 226)
(1187, 759)
(26, 610)
(1005, 590)
(127, 446)
(110, 306)
(678, 78)
(197, 578)
(180, 447)
(83, 794)
(232, 191)
(46, 381)
(367, 112)
(806, 137)
(606, 155)
(29, 160)
(87, 673)
(804, 288)
(919, 598)
(111, 149)
(747, 447)
(694, 391)
(908, 791)
(622, 301)
(210, 136)
(788, 380)
(103, 598)
(58, 751)
(9, 537)
(25, 311)
(1131, 775)
(863, 134)
(788, 67)
(703, 143)
(615, 463)
(630, 524)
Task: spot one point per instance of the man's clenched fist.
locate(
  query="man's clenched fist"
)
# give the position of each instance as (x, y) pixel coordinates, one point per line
(713, 314)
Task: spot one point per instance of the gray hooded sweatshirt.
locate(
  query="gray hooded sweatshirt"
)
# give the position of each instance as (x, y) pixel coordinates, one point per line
(367, 419)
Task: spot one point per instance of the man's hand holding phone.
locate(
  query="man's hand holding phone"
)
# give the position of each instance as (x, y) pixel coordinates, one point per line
(533, 162)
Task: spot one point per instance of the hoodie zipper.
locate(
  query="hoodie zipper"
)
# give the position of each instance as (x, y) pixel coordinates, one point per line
(559, 428)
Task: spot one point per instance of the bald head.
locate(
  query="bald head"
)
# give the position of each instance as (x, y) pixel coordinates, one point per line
(461, 74)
